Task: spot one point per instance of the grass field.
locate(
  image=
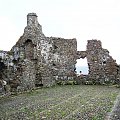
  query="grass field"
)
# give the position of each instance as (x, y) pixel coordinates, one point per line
(70, 102)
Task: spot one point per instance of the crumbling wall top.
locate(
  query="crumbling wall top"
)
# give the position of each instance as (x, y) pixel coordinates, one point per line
(32, 14)
(32, 19)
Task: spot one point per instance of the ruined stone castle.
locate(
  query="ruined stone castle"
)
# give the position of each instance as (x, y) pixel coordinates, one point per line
(39, 60)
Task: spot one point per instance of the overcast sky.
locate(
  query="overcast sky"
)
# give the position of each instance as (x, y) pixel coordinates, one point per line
(80, 19)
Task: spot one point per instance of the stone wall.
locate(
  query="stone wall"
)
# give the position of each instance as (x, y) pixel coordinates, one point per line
(64, 57)
(37, 60)
(40, 60)
(102, 66)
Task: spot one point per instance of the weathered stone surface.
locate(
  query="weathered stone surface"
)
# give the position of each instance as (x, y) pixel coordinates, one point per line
(40, 60)
(37, 60)
(102, 67)
(81, 54)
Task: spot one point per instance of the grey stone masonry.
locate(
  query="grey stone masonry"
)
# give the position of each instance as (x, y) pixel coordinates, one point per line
(41, 60)
(37, 60)
(102, 66)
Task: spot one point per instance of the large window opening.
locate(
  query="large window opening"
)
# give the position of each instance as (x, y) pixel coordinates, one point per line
(82, 66)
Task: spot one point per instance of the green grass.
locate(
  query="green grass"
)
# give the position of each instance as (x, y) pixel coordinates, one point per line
(70, 102)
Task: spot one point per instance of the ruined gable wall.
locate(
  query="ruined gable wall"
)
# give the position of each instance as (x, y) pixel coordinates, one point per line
(25, 52)
(33, 48)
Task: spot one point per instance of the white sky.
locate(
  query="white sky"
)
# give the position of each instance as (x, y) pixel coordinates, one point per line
(80, 19)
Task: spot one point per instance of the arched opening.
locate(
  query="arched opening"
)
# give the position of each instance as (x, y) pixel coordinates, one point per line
(82, 66)
(29, 49)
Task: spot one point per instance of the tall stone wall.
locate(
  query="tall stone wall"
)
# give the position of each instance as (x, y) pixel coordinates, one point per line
(64, 57)
(33, 48)
(102, 66)
(39, 60)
